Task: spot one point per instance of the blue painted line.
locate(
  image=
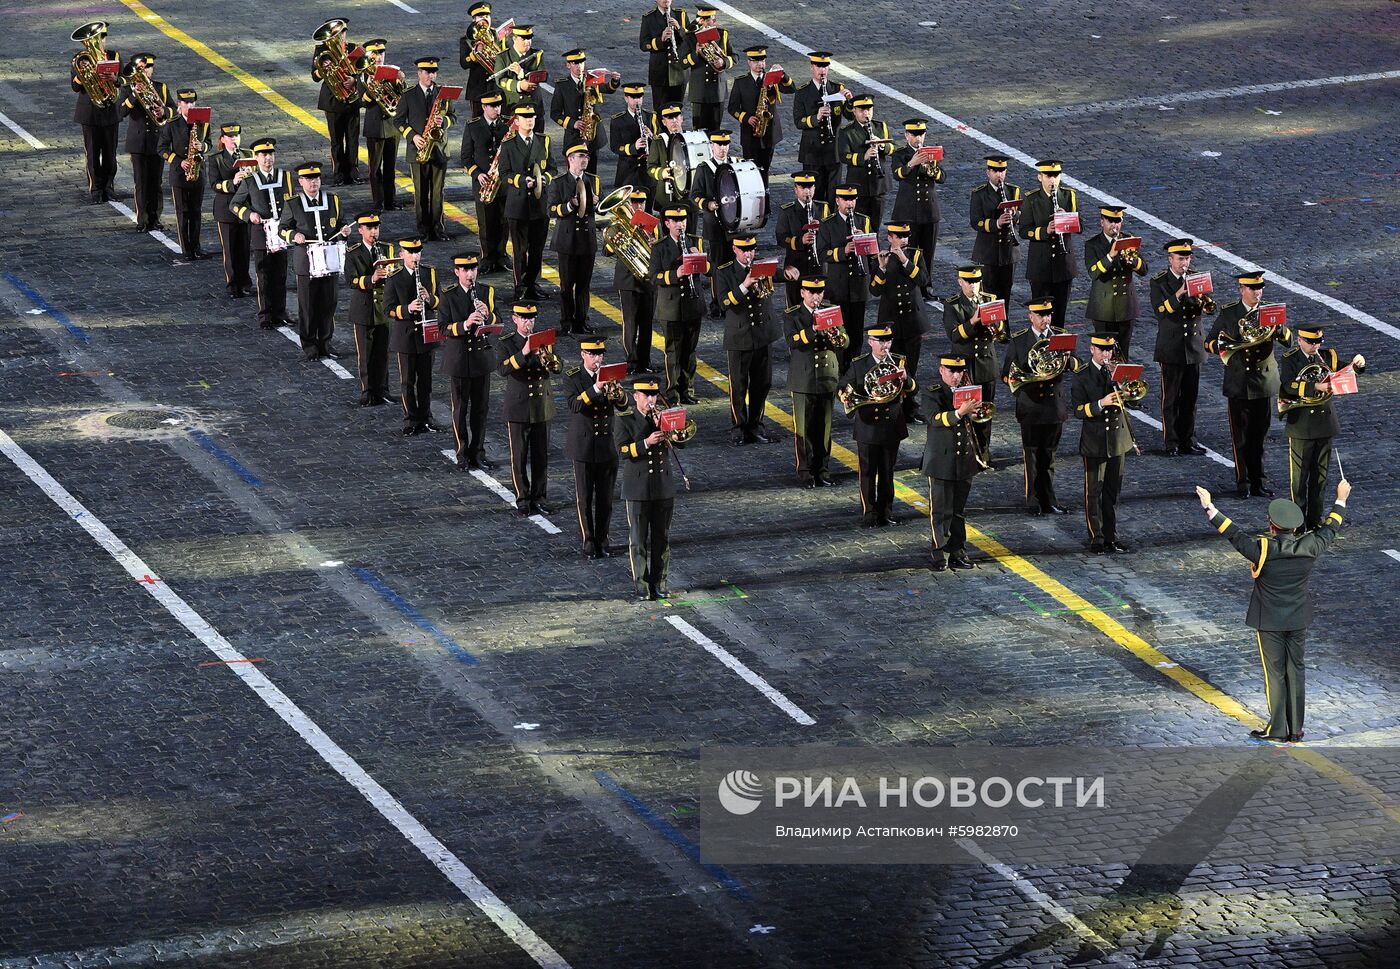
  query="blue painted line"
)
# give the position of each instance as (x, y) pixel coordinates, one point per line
(1392, 228)
(43, 304)
(414, 616)
(665, 829)
(1156, 188)
(203, 441)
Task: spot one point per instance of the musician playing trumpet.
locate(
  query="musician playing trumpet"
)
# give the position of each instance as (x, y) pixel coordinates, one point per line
(528, 406)
(1041, 408)
(649, 488)
(468, 357)
(813, 372)
(410, 298)
(577, 107)
(1309, 420)
(749, 331)
(368, 316)
(707, 63)
(878, 422)
(953, 454)
(1180, 349)
(593, 406)
(1104, 442)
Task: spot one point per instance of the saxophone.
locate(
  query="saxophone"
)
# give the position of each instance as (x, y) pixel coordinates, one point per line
(763, 111)
(588, 116)
(492, 188)
(194, 154)
(433, 133)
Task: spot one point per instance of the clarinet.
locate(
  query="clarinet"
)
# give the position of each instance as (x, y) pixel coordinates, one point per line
(1059, 238)
(821, 103)
(857, 260)
(1003, 231)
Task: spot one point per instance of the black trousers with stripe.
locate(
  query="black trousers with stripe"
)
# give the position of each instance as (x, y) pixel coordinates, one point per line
(682, 340)
(471, 396)
(383, 162)
(529, 460)
(750, 380)
(1249, 426)
(877, 479)
(1181, 385)
(145, 176)
(1281, 654)
(638, 311)
(527, 238)
(1103, 481)
(271, 270)
(316, 296)
(188, 200)
(811, 420)
(649, 540)
(372, 354)
(234, 240)
(1309, 460)
(100, 145)
(416, 387)
(593, 501)
(947, 507)
(1038, 444)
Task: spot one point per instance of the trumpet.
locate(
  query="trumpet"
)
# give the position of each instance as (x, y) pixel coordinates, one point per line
(550, 360)
(101, 89)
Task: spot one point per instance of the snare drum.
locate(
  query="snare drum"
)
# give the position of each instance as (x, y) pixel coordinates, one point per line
(690, 149)
(325, 258)
(275, 243)
(743, 202)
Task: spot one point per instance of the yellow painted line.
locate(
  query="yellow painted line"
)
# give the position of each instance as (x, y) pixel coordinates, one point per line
(1198, 686)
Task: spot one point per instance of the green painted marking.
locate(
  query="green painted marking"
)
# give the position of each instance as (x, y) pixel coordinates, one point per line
(734, 596)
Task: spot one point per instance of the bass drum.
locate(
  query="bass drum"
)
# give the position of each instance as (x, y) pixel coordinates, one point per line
(688, 150)
(743, 203)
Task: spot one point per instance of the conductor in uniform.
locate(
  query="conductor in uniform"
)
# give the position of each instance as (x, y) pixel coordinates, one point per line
(953, 455)
(1309, 420)
(1050, 262)
(1113, 298)
(590, 445)
(410, 298)
(468, 357)
(528, 406)
(1180, 349)
(1280, 610)
(1104, 442)
(649, 489)
(996, 243)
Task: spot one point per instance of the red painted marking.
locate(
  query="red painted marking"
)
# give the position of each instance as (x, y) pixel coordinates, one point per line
(11, 817)
(147, 580)
(227, 662)
(1347, 198)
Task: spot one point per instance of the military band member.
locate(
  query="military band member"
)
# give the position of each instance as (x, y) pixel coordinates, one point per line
(899, 281)
(566, 106)
(1180, 349)
(342, 116)
(1250, 384)
(312, 217)
(381, 133)
(143, 142)
(259, 200)
(1113, 298)
(813, 373)
(527, 405)
(1050, 262)
(749, 100)
(974, 341)
(953, 454)
(522, 58)
(630, 133)
(867, 163)
(481, 139)
(468, 358)
(186, 192)
(415, 108)
(1280, 609)
(819, 123)
(410, 298)
(637, 298)
(1310, 422)
(224, 178)
(707, 66)
(1104, 442)
(847, 273)
(996, 243)
(749, 332)
(704, 196)
(99, 124)
(526, 169)
(1041, 409)
(478, 63)
(878, 427)
(801, 258)
(663, 34)
(649, 488)
(573, 197)
(590, 445)
(368, 315)
(667, 192)
(916, 200)
(680, 304)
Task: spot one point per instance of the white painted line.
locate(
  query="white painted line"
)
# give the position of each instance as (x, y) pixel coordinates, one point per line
(1184, 97)
(504, 493)
(403, 6)
(745, 674)
(1057, 911)
(1392, 553)
(1153, 422)
(164, 239)
(330, 364)
(549, 527)
(1203, 245)
(33, 142)
(292, 715)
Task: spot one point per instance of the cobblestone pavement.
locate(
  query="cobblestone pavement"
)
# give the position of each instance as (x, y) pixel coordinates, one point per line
(508, 694)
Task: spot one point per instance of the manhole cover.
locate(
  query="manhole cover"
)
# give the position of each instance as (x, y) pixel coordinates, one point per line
(139, 420)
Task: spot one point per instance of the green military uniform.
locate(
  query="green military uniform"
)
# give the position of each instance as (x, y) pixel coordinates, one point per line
(1104, 441)
(1279, 609)
(1310, 427)
(813, 371)
(649, 488)
(953, 454)
(1113, 298)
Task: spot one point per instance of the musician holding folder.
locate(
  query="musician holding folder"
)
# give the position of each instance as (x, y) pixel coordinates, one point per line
(1113, 260)
(368, 263)
(816, 336)
(1041, 408)
(528, 403)
(594, 394)
(745, 285)
(953, 455)
(1104, 440)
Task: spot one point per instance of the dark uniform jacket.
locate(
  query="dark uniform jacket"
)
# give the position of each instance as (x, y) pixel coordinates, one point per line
(465, 352)
(366, 296)
(952, 449)
(871, 176)
(677, 297)
(480, 139)
(661, 67)
(994, 246)
(400, 290)
(743, 101)
(815, 367)
(706, 84)
(220, 171)
(646, 471)
(1113, 295)
(174, 147)
(414, 107)
(1180, 337)
(972, 340)
(1252, 372)
(1280, 565)
(1313, 421)
(623, 131)
(265, 196)
(847, 275)
(917, 198)
(748, 319)
(590, 436)
(518, 161)
(900, 289)
(142, 137)
(566, 107)
(85, 112)
(307, 216)
(704, 187)
(528, 398)
(574, 232)
(326, 101)
(663, 194)
(477, 86)
(1050, 258)
(1104, 432)
(374, 124)
(876, 423)
(818, 145)
(1042, 401)
(791, 218)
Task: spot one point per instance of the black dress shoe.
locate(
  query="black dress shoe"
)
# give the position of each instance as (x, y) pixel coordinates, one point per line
(827, 480)
(959, 562)
(737, 438)
(1097, 548)
(1259, 491)
(543, 508)
(524, 510)
(1117, 548)
(762, 435)
(409, 432)
(646, 595)
(889, 521)
(328, 352)
(917, 419)
(662, 592)
(1242, 492)
(592, 553)
(470, 464)
(1057, 510)
(486, 462)
(809, 483)
(389, 398)
(1034, 510)
(432, 427)
(939, 564)
(1261, 735)
(868, 520)
(374, 402)
(688, 398)
(584, 329)
(1194, 449)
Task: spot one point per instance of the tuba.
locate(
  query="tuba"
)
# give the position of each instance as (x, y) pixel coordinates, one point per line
(334, 64)
(485, 44)
(1045, 364)
(879, 387)
(101, 89)
(1252, 334)
(630, 243)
